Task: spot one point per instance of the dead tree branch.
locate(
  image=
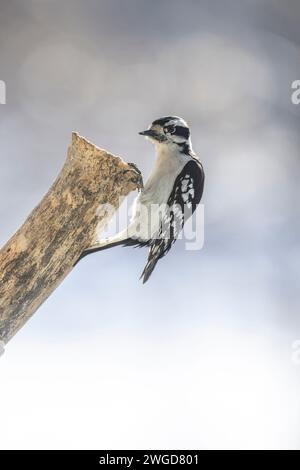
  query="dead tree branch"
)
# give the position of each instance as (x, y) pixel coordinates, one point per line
(42, 252)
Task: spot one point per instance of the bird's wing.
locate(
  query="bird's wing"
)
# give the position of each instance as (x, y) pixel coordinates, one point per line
(182, 202)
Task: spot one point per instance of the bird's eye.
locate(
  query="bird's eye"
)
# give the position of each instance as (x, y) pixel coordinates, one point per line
(170, 129)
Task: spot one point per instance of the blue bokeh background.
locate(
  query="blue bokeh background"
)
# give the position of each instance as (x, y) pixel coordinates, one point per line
(202, 356)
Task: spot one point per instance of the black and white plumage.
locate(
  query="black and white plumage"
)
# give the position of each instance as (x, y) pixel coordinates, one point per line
(169, 197)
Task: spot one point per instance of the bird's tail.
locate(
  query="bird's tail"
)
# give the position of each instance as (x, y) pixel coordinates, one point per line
(151, 263)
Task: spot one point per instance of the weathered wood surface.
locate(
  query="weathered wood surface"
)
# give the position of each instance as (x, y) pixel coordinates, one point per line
(42, 252)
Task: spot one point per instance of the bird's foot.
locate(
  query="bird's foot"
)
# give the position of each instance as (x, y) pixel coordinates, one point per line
(140, 182)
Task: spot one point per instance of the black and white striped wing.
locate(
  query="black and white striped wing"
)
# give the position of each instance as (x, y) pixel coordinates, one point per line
(182, 202)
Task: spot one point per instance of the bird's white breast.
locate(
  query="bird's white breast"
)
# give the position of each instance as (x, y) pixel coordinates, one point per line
(169, 163)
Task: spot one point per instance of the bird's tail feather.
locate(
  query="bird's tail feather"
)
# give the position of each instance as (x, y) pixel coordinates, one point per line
(149, 268)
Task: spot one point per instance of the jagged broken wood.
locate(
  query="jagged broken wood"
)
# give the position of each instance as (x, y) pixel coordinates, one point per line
(43, 251)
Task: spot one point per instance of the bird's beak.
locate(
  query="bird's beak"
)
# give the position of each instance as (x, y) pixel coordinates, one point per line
(149, 133)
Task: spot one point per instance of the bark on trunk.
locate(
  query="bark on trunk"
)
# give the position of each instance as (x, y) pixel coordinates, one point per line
(42, 252)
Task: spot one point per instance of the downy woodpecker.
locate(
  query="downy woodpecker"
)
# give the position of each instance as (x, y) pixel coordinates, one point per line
(169, 197)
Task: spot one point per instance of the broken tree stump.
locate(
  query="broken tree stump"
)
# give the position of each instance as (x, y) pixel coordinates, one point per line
(43, 251)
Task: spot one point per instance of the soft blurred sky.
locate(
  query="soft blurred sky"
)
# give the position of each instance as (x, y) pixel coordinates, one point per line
(201, 356)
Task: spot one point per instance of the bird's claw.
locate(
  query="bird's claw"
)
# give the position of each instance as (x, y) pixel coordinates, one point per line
(140, 182)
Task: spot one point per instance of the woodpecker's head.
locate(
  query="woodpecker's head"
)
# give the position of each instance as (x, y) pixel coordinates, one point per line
(171, 131)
